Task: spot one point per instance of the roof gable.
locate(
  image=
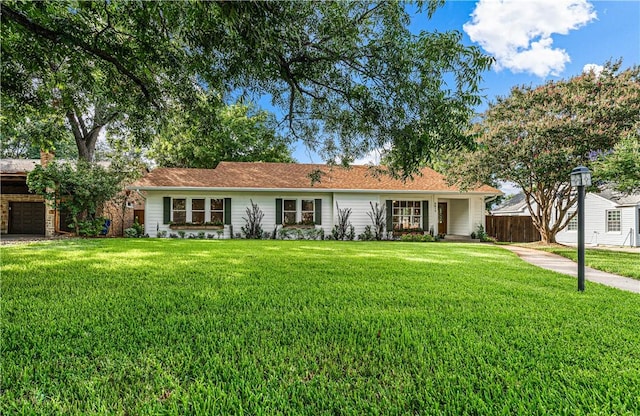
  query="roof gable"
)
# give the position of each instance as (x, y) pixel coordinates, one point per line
(259, 175)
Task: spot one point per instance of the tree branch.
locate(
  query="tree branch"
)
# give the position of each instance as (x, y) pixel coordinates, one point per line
(57, 36)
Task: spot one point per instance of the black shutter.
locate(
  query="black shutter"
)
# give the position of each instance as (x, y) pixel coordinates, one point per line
(389, 209)
(425, 215)
(278, 210)
(166, 203)
(227, 211)
(318, 208)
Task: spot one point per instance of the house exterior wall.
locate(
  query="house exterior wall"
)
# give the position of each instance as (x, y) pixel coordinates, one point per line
(596, 225)
(467, 212)
(359, 205)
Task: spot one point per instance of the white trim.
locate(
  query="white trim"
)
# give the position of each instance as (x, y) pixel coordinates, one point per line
(311, 190)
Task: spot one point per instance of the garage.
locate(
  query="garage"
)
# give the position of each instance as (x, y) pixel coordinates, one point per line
(26, 218)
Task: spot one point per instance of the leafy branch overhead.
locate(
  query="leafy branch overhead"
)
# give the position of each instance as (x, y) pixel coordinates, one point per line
(348, 76)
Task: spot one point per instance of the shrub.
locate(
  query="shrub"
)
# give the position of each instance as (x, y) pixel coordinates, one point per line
(379, 219)
(162, 234)
(253, 228)
(343, 230)
(367, 235)
(417, 237)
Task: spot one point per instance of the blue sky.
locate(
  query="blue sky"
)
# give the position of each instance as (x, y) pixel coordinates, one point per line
(534, 41)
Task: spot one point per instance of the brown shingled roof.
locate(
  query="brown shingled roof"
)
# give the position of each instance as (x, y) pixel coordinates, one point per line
(259, 175)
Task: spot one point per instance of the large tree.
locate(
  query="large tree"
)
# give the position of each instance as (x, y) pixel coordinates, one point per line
(537, 135)
(218, 133)
(348, 76)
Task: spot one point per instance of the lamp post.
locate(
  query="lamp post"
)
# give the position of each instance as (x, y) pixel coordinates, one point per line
(580, 177)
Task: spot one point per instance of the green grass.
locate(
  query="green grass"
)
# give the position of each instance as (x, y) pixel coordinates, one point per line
(618, 262)
(298, 327)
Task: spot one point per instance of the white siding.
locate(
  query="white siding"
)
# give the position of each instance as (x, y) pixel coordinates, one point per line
(459, 218)
(359, 204)
(464, 214)
(240, 201)
(477, 210)
(596, 222)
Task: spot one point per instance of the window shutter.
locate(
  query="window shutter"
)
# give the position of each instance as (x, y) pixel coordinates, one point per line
(389, 209)
(166, 203)
(227, 211)
(278, 211)
(318, 208)
(425, 215)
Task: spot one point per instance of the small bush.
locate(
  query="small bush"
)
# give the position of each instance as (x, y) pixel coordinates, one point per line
(417, 237)
(162, 234)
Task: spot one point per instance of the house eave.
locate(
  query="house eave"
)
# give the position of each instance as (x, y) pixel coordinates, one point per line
(304, 190)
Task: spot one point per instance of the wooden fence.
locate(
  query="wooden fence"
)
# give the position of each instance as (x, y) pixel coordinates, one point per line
(513, 229)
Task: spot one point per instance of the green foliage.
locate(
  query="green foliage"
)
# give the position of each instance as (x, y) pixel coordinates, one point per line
(621, 166)
(280, 327)
(482, 235)
(253, 222)
(81, 188)
(236, 133)
(537, 135)
(349, 76)
(90, 227)
(136, 230)
(293, 233)
(417, 237)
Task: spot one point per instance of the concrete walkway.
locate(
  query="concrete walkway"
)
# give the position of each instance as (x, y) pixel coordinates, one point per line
(563, 265)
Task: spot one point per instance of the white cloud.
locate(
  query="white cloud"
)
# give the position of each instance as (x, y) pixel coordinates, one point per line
(595, 68)
(370, 158)
(518, 33)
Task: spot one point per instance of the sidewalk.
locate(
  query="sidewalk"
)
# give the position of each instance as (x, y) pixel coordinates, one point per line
(563, 265)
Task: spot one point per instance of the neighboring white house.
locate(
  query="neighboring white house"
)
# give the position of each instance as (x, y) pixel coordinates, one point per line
(198, 199)
(610, 218)
(516, 205)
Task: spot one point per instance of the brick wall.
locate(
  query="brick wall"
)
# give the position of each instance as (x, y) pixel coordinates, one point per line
(5, 199)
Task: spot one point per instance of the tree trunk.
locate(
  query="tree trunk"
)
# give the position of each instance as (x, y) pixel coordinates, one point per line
(86, 139)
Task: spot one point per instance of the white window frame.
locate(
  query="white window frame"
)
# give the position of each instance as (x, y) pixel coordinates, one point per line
(312, 211)
(572, 225)
(211, 210)
(185, 210)
(610, 223)
(203, 210)
(399, 213)
(189, 208)
(285, 211)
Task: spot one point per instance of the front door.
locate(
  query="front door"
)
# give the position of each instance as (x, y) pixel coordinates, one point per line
(442, 217)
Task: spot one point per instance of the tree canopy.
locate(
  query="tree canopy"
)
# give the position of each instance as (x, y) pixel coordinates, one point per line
(537, 135)
(237, 133)
(621, 166)
(349, 76)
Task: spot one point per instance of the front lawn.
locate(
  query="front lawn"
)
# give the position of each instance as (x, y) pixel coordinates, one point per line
(307, 327)
(618, 262)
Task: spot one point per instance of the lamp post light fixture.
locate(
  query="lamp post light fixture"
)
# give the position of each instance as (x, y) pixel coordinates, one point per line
(580, 177)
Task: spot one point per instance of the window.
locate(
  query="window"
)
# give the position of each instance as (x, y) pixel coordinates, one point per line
(217, 211)
(179, 210)
(289, 211)
(307, 211)
(406, 214)
(197, 211)
(613, 221)
(573, 223)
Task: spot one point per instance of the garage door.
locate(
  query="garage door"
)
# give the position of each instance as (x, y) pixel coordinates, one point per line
(26, 218)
